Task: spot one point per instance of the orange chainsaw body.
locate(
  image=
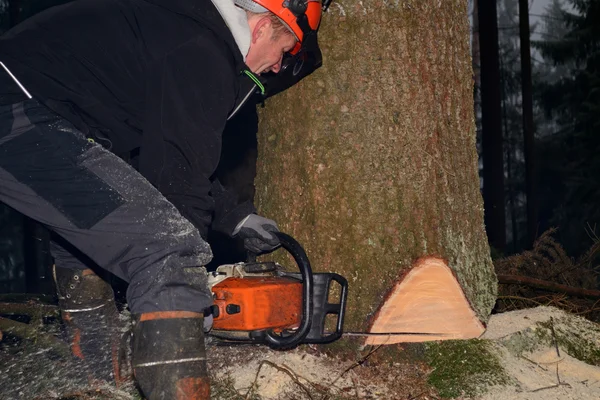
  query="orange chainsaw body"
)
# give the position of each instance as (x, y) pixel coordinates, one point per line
(257, 303)
(262, 302)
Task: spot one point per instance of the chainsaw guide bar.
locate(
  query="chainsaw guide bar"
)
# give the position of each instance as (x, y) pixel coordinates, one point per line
(366, 334)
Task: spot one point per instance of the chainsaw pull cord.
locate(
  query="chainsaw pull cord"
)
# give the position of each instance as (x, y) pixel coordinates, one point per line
(300, 257)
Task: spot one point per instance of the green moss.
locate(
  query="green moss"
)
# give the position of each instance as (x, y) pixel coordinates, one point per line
(522, 342)
(576, 336)
(573, 339)
(463, 367)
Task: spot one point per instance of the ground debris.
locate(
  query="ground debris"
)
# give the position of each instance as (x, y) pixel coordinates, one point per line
(306, 373)
(549, 353)
(546, 353)
(102, 392)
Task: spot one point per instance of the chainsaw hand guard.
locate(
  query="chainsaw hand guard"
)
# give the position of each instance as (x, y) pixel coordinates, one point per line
(322, 307)
(297, 252)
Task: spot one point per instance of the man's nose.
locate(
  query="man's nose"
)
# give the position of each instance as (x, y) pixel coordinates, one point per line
(275, 68)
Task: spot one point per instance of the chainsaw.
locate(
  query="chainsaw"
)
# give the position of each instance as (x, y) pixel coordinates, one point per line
(261, 302)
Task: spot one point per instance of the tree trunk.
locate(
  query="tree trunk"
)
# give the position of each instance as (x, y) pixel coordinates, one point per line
(491, 121)
(509, 148)
(475, 58)
(528, 133)
(371, 164)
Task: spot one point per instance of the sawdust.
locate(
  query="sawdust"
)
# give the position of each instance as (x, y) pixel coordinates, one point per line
(295, 374)
(535, 369)
(543, 375)
(527, 353)
(309, 373)
(541, 365)
(505, 324)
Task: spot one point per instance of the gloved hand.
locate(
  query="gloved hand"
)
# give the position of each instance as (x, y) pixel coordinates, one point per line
(256, 232)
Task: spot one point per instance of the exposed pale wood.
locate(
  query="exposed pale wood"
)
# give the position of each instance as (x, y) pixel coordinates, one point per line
(428, 300)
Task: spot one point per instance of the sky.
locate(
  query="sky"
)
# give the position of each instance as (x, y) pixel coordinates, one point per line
(537, 7)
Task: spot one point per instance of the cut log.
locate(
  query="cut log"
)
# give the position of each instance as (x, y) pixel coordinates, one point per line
(428, 300)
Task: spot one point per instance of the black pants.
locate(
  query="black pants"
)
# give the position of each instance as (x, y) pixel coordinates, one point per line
(92, 199)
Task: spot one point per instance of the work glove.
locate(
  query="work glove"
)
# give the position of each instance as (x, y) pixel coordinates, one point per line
(257, 234)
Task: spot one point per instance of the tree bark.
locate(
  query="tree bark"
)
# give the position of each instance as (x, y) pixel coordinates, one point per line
(371, 161)
(491, 121)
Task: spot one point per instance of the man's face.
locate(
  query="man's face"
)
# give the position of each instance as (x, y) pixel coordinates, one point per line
(266, 51)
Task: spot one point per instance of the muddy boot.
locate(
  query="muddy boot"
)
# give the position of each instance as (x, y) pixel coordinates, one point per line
(169, 359)
(91, 321)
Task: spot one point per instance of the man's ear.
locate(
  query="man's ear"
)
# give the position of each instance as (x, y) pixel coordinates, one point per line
(261, 28)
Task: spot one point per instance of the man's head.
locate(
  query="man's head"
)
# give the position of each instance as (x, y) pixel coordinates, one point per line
(271, 39)
(275, 29)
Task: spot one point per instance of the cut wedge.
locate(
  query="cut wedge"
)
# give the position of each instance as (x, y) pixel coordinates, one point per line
(427, 300)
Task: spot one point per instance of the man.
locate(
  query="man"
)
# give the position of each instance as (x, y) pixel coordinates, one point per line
(93, 79)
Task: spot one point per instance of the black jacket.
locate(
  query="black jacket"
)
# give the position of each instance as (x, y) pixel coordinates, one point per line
(155, 76)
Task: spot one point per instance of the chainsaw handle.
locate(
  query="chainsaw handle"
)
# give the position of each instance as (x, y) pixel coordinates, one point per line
(301, 259)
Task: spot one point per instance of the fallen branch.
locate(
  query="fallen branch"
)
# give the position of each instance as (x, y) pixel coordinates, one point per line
(279, 368)
(557, 362)
(29, 332)
(356, 364)
(27, 297)
(560, 383)
(34, 310)
(534, 363)
(519, 298)
(551, 387)
(555, 343)
(546, 285)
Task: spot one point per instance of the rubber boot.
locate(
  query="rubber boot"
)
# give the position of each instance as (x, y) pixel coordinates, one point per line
(91, 321)
(169, 359)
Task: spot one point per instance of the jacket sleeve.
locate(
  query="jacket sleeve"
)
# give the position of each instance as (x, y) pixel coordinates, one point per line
(230, 209)
(233, 188)
(189, 94)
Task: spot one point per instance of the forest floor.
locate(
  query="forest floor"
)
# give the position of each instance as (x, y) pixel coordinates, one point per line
(533, 354)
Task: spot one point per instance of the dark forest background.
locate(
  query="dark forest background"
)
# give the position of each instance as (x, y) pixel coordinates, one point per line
(537, 107)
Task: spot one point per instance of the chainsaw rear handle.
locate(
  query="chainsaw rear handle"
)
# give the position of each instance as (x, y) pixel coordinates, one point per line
(301, 259)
